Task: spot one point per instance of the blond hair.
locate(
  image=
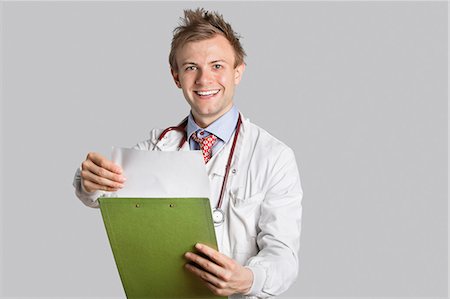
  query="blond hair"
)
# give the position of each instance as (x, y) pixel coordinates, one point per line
(201, 24)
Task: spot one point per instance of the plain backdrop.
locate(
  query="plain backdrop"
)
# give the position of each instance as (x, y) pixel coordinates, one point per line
(357, 89)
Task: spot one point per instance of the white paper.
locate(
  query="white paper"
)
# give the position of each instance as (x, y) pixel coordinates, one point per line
(161, 174)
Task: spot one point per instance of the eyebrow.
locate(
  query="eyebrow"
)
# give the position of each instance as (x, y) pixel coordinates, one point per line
(189, 63)
(215, 61)
(220, 60)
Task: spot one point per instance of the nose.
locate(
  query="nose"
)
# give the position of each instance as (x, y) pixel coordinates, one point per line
(204, 77)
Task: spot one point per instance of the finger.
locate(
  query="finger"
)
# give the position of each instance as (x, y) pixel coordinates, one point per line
(218, 291)
(207, 277)
(89, 176)
(91, 187)
(101, 172)
(205, 264)
(214, 255)
(102, 162)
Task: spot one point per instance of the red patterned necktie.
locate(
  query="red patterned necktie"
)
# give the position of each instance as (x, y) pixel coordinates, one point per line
(206, 145)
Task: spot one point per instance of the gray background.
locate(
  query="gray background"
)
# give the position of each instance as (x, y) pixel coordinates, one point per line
(357, 89)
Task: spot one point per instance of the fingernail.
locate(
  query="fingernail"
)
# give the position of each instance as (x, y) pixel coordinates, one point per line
(187, 254)
(198, 246)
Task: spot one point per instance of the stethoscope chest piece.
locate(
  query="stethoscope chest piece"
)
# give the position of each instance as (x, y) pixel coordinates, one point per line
(218, 216)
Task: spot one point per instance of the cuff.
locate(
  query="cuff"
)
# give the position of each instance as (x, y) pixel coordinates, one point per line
(259, 278)
(88, 198)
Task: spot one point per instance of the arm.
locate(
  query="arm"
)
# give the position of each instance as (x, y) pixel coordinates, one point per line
(88, 198)
(275, 266)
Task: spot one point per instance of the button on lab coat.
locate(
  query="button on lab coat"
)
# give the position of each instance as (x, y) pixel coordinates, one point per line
(262, 204)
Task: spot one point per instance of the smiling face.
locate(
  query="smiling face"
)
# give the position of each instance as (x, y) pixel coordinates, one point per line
(207, 76)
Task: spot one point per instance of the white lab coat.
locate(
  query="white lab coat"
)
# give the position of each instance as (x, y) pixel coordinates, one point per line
(262, 204)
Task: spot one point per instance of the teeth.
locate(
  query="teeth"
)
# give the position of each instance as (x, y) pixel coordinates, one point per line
(207, 93)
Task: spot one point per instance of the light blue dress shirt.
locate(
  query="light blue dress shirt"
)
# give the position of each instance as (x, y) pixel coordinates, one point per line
(222, 128)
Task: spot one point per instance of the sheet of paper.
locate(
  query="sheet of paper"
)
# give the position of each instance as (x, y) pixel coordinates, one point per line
(162, 174)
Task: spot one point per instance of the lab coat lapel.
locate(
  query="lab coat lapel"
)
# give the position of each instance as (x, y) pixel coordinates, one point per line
(185, 146)
(219, 161)
(171, 141)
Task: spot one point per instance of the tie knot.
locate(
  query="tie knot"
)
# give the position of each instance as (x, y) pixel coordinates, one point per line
(206, 145)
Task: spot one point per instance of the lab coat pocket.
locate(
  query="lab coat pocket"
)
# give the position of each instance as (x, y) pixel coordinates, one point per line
(239, 201)
(244, 217)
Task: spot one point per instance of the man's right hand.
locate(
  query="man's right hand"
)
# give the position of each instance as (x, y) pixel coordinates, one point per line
(99, 173)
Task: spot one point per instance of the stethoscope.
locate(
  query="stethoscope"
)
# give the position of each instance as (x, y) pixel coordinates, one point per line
(218, 214)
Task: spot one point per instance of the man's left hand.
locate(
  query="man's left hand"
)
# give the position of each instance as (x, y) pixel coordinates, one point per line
(221, 274)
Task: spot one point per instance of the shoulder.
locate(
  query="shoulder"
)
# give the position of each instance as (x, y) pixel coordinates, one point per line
(261, 141)
(267, 159)
(169, 142)
(151, 142)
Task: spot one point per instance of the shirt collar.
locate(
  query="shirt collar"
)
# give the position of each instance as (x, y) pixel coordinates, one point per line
(223, 127)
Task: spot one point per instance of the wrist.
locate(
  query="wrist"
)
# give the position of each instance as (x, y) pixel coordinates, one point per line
(248, 281)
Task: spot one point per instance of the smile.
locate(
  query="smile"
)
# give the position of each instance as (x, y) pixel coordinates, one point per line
(206, 93)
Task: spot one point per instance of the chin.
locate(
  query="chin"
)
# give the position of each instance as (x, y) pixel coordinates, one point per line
(207, 112)
(206, 109)
(210, 109)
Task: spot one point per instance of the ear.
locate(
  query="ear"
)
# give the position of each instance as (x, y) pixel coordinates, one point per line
(175, 77)
(238, 71)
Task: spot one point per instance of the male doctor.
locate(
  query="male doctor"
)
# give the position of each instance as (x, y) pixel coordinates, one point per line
(259, 235)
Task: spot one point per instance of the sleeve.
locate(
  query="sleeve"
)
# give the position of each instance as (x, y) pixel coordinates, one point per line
(88, 198)
(275, 267)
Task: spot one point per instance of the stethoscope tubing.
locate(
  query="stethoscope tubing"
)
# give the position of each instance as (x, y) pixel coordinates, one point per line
(227, 167)
(182, 128)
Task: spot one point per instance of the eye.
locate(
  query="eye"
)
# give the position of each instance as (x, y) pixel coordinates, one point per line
(191, 68)
(217, 66)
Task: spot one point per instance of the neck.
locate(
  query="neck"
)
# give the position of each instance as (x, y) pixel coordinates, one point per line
(205, 121)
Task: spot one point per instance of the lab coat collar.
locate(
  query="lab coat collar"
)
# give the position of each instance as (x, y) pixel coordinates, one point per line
(217, 164)
(171, 141)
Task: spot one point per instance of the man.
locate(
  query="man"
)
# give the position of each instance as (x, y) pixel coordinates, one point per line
(259, 238)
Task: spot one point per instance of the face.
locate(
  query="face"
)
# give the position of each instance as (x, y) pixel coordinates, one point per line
(207, 76)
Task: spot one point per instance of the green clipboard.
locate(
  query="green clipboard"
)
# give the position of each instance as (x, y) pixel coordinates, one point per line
(148, 238)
